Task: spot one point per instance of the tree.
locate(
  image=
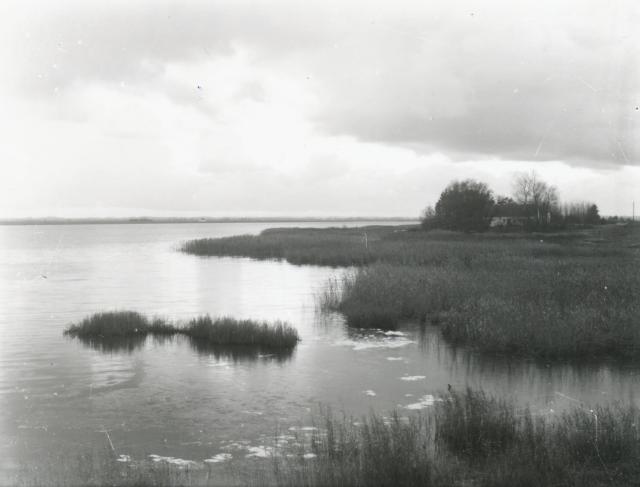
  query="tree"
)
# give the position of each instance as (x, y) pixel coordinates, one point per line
(428, 219)
(506, 206)
(538, 199)
(593, 215)
(581, 213)
(465, 205)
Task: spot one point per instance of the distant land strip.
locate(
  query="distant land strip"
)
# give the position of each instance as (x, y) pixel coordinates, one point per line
(144, 219)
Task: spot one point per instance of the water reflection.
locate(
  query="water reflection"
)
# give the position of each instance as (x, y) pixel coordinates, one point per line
(114, 344)
(237, 353)
(176, 397)
(234, 353)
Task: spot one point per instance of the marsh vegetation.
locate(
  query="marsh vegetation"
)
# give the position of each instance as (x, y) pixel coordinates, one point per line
(473, 439)
(563, 294)
(113, 326)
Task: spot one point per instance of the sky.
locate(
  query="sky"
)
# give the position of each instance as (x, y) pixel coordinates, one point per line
(315, 108)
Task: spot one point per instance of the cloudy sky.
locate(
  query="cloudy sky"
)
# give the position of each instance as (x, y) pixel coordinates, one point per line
(334, 107)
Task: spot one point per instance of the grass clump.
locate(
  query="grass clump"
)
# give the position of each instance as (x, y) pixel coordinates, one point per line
(110, 324)
(228, 331)
(111, 327)
(373, 451)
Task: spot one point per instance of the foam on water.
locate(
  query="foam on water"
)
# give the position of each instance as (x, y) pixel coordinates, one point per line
(180, 462)
(259, 451)
(375, 342)
(219, 458)
(303, 428)
(369, 392)
(425, 401)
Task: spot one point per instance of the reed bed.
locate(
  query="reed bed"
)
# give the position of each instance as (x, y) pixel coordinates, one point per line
(548, 308)
(206, 331)
(472, 439)
(399, 245)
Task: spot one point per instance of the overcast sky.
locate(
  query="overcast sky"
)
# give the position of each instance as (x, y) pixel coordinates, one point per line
(265, 108)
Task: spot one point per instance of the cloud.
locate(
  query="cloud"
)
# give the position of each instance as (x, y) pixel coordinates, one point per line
(327, 107)
(530, 84)
(533, 81)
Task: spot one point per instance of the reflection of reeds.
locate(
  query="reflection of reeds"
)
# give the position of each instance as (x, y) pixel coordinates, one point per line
(240, 353)
(115, 343)
(126, 330)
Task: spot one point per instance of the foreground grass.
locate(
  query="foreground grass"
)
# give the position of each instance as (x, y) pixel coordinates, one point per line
(572, 294)
(472, 439)
(113, 325)
(468, 439)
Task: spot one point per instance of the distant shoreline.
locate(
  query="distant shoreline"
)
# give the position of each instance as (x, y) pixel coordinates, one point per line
(141, 220)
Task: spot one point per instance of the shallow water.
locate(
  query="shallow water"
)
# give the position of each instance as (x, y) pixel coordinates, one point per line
(168, 401)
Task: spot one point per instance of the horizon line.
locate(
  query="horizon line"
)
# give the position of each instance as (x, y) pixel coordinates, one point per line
(52, 220)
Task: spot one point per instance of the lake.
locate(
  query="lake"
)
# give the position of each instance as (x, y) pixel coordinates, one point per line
(171, 401)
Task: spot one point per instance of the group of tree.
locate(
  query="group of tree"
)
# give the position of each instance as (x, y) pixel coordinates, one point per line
(470, 205)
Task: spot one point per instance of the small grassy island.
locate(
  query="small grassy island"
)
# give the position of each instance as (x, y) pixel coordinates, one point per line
(215, 332)
(570, 293)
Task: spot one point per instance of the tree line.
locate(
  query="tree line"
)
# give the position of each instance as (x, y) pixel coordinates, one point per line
(471, 205)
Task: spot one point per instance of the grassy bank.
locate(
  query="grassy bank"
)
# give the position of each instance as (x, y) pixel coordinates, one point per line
(545, 307)
(466, 439)
(108, 327)
(569, 294)
(402, 245)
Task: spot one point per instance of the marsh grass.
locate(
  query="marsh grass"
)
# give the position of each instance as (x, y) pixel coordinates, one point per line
(526, 299)
(113, 329)
(110, 324)
(566, 294)
(228, 331)
(472, 439)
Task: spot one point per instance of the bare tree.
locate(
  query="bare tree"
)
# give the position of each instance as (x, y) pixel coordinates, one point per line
(538, 198)
(523, 185)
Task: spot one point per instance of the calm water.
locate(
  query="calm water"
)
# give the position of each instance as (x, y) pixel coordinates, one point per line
(171, 400)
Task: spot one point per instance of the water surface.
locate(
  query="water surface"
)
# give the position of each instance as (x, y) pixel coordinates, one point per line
(173, 400)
